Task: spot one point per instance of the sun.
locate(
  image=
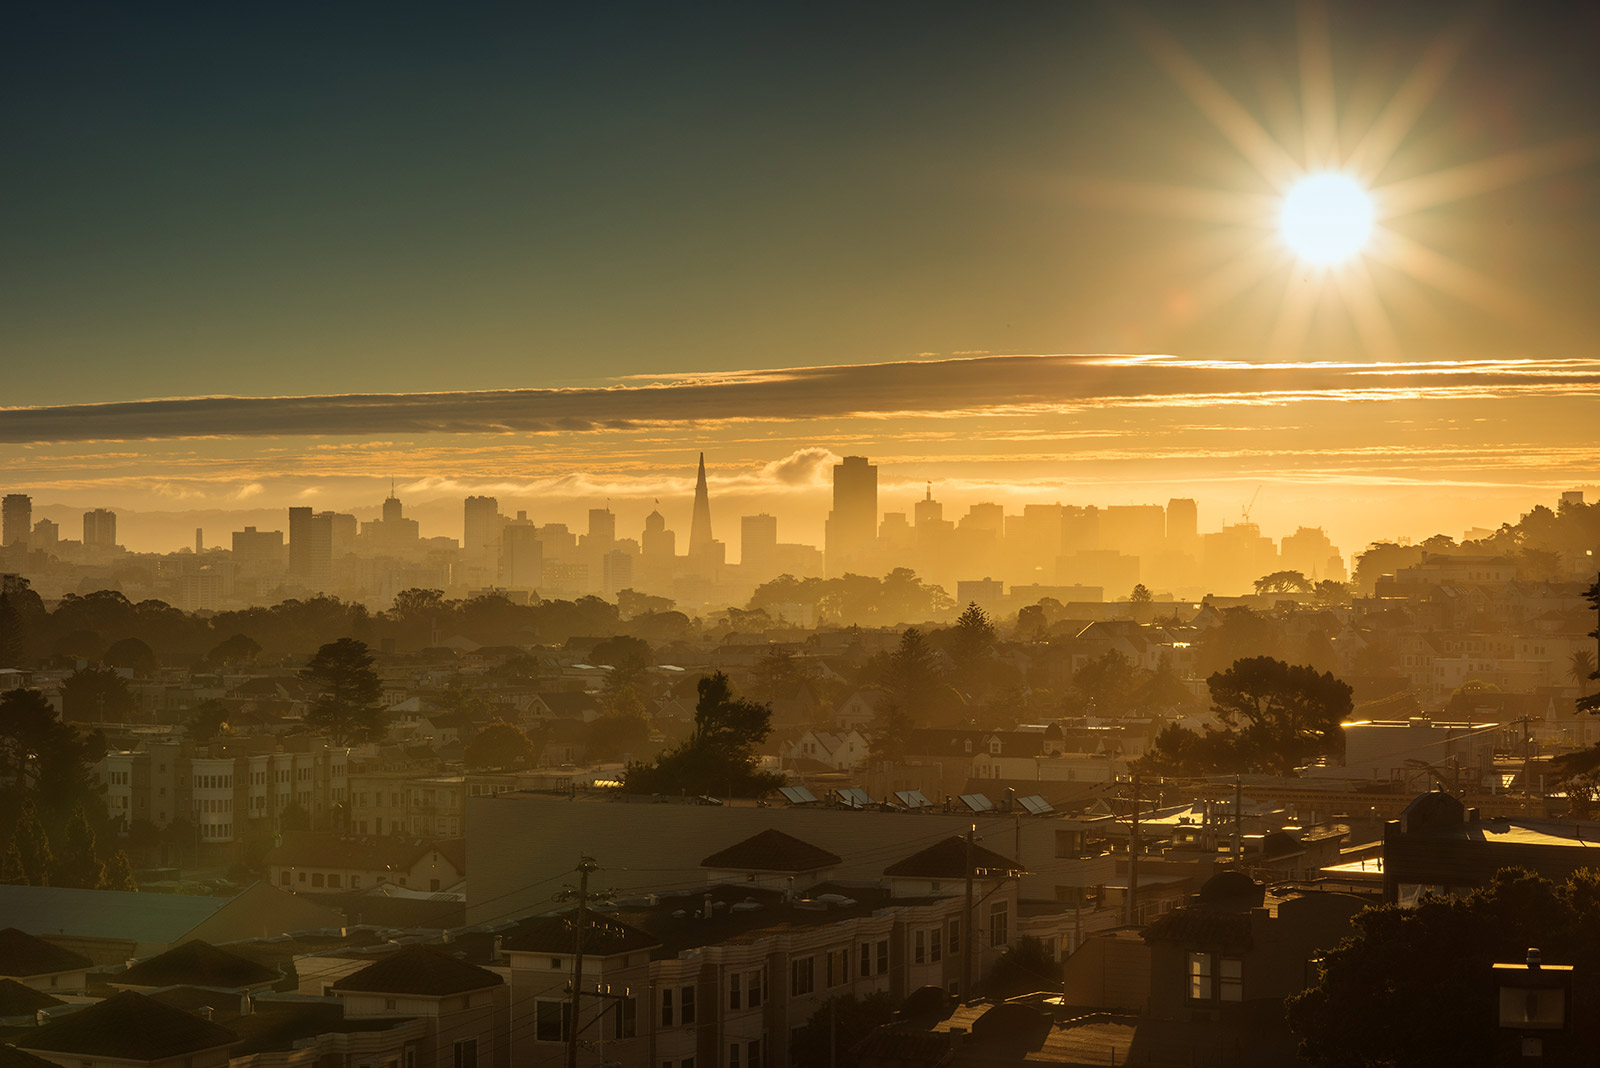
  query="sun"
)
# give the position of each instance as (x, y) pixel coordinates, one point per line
(1326, 218)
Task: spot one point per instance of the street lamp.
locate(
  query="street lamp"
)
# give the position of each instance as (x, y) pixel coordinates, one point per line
(1533, 1002)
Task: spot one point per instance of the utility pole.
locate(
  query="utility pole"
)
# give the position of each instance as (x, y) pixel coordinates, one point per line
(585, 866)
(971, 932)
(1238, 819)
(1133, 858)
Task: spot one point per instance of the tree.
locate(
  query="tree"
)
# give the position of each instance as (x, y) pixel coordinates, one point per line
(1332, 591)
(1109, 685)
(52, 765)
(132, 654)
(1283, 582)
(971, 645)
(75, 863)
(1022, 969)
(890, 733)
(1285, 714)
(118, 873)
(347, 707)
(1581, 669)
(239, 649)
(96, 695)
(1412, 987)
(1591, 703)
(208, 719)
(12, 870)
(720, 755)
(498, 745)
(1140, 595)
(33, 847)
(827, 1039)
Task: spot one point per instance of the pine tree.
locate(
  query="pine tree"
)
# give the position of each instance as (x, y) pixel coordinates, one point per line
(12, 872)
(118, 873)
(77, 866)
(33, 847)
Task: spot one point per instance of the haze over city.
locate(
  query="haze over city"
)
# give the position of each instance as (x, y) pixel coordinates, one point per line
(829, 535)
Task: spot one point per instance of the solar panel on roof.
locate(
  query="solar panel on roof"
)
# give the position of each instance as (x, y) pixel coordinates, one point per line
(860, 797)
(1036, 805)
(797, 795)
(912, 799)
(977, 802)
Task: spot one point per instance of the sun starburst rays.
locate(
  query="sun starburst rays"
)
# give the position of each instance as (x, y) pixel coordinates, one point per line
(1359, 135)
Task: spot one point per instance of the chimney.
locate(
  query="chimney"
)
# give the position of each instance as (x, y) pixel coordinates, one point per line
(706, 915)
(204, 1012)
(247, 1005)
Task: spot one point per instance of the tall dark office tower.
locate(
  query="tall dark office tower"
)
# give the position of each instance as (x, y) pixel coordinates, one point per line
(311, 548)
(758, 545)
(16, 519)
(522, 556)
(700, 536)
(853, 524)
(1183, 524)
(480, 534)
(99, 529)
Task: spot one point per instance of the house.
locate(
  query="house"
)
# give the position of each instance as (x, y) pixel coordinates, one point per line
(312, 863)
(196, 963)
(836, 750)
(1236, 950)
(860, 709)
(39, 965)
(771, 859)
(464, 1008)
(130, 1031)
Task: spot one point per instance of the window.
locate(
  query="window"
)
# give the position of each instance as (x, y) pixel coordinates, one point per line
(883, 956)
(625, 1019)
(283, 877)
(802, 976)
(316, 878)
(666, 1007)
(919, 947)
(355, 882)
(752, 1054)
(686, 1006)
(733, 1055)
(955, 936)
(466, 1053)
(733, 991)
(935, 944)
(1231, 974)
(1200, 976)
(838, 967)
(552, 1021)
(865, 959)
(999, 925)
(753, 986)
(388, 1003)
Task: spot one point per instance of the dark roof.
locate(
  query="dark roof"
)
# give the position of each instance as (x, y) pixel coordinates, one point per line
(19, 1000)
(200, 964)
(891, 1045)
(603, 936)
(130, 1027)
(772, 850)
(12, 1057)
(420, 970)
(24, 954)
(948, 860)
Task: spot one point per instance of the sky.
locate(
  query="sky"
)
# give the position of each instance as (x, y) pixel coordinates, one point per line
(256, 255)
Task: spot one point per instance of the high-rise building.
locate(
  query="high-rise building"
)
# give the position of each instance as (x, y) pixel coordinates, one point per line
(758, 545)
(602, 535)
(656, 540)
(46, 535)
(16, 519)
(1183, 524)
(521, 556)
(928, 510)
(480, 530)
(700, 536)
(100, 529)
(850, 534)
(1134, 529)
(311, 548)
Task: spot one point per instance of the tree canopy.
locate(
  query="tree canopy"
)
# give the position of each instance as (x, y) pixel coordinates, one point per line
(348, 706)
(719, 757)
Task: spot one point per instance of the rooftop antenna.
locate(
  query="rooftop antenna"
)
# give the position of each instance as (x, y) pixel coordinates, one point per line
(930, 492)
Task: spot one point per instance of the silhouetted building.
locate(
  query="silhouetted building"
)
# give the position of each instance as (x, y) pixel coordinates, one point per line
(1309, 551)
(521, 556)
(657, 541)
(602, 530)
(1183, 524)
(480, 530)
(100, 529)
(700, 536)
(258, 551)
(16, 519)
(758, 545)
(853, 522)
(1134, 529)
(46, 535)
(311, 548)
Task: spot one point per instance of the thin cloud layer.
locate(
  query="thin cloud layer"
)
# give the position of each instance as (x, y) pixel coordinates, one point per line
(997, 384)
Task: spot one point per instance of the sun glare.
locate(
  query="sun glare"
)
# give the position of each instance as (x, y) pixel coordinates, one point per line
(1326, 218)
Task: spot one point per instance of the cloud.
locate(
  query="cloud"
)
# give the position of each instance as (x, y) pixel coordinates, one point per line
(250, 489)
(803, 467)
(1018, 385)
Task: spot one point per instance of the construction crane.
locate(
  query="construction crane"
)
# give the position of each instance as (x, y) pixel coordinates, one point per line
(1252, 504)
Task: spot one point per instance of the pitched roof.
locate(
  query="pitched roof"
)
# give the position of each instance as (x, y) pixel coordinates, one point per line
(421, 970)
(19, 1000)
(12, 1057)
(948, 860)
(603, 936)
(200, 964)
(772, 850)
(106, 913)
(313, 849)
(129, 1027)
(22, 954)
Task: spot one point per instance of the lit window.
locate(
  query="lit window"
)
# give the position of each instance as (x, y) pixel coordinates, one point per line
(1200, 976)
